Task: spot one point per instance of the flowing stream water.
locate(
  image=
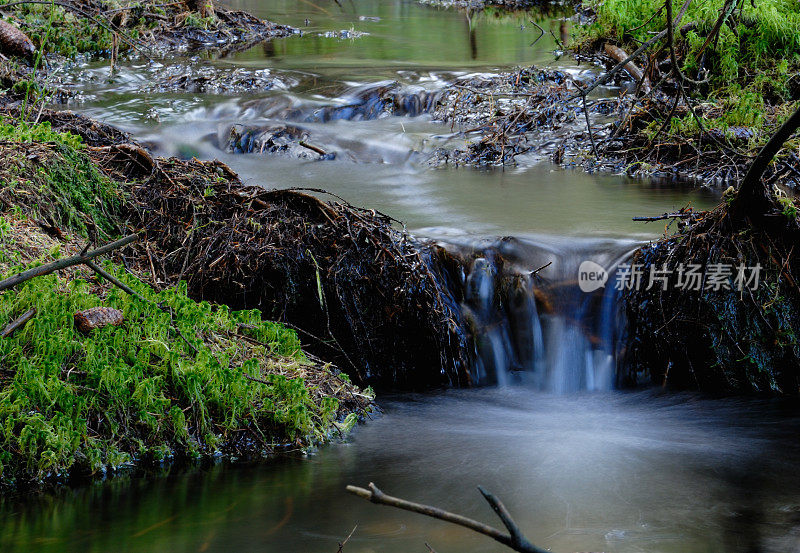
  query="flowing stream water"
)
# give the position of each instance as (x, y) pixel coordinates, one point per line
(582, 467)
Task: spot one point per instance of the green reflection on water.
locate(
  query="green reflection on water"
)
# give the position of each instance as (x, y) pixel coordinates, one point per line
(404, 34)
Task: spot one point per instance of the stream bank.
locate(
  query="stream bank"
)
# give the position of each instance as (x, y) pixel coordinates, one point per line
(170, 379)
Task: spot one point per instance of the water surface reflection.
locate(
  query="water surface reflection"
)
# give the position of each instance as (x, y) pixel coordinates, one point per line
(596, 472)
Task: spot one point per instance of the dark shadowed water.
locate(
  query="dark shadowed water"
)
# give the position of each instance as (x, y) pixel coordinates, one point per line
(613, 472)
(581, 471)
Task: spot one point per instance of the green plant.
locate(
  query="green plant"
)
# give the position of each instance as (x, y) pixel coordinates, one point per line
(163, 383)
(789, 209)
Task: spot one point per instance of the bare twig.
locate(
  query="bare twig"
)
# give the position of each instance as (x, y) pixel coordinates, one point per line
(541, 34)
(676, 215)
(342, 544)
(603, 79)
(313, 148)
(114, 280)
(671, 42)
(545, 266)
(516, 540)
(18, 323)
(81, 258)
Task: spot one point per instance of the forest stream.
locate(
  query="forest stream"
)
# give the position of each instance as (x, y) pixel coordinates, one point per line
(582, 466)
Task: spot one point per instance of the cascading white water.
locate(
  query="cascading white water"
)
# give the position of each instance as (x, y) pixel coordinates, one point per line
(542, 330)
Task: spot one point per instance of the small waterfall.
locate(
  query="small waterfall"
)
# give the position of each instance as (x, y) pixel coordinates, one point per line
(541, 329)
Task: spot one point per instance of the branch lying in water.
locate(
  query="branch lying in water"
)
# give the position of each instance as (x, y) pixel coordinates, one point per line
(516, 540)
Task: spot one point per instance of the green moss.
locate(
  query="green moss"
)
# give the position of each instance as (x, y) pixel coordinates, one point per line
(149, 388)
(750, 65)
(767, 31)
(68, 34)
(20, 131)
(57, 183)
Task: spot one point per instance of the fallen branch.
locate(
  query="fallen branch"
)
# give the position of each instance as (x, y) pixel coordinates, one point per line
(18, 323)
(515, 539)
(545, 266)
(81, 258)
(621, 65)
(753, 195)
(114, 280)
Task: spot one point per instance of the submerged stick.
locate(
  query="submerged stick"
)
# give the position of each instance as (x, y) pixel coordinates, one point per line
(343, 543)
(515, 540)
(81, 258)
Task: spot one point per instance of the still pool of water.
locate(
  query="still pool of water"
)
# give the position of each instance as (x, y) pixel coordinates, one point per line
(620, 473)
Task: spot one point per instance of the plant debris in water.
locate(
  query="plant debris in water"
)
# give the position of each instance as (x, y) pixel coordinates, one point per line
(528, 111)
(735, 82)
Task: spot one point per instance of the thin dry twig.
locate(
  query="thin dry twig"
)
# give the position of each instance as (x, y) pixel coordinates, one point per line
(515, 539)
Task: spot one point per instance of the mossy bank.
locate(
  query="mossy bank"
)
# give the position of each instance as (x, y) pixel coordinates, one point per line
(178, 379)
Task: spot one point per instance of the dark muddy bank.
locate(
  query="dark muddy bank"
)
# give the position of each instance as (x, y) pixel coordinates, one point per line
(160, 378)
(358, 289)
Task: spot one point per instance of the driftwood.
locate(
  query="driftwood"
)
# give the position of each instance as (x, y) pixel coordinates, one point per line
(515, 539)
(84, 258)
(313, 148)
(18, 323)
